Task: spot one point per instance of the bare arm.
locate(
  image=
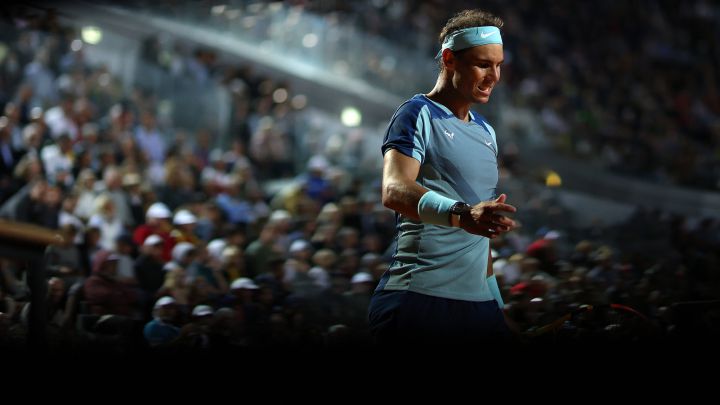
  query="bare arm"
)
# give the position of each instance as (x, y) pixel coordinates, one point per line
(400, 192)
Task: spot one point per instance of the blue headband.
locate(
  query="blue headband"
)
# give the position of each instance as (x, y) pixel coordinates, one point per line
(470, 37)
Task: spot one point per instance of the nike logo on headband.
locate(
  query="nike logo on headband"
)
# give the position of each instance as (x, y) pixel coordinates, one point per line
(487, 34)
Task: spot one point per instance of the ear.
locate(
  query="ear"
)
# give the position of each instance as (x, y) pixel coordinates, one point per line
(448, 58)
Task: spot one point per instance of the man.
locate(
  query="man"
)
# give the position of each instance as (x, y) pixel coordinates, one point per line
(160, 330)
(149, 271)
(440, 176)
(104, 294)
(9, 158)
(113, 182)
(157, 222)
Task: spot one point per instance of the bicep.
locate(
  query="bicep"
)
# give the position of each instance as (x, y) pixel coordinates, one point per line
(398, 167)
(400, 191)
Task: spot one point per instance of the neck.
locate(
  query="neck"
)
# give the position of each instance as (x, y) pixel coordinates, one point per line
(445, 94)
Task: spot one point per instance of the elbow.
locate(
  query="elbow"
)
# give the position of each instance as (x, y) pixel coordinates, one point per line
(388, 195)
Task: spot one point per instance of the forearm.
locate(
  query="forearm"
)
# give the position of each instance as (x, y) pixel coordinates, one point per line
(403, 197)
(400, 191)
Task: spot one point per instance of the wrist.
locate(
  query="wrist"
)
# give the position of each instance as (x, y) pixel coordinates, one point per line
(456, 213)
(435, 209)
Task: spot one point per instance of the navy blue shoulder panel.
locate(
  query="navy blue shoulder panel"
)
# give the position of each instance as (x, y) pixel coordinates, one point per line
(400, 134)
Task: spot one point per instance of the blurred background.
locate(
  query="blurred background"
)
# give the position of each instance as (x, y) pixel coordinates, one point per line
(225, 155)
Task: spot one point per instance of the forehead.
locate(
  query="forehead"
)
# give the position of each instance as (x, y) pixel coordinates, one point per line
(491, 52)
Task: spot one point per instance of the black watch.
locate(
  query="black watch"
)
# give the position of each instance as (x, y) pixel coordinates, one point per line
(456, 210)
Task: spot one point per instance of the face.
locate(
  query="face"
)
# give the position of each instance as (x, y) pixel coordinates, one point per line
(475, 71)
(56, 289)
(69, 203)
(109, 269)
(109, 208)
(156, 251)
(53, 196)
(167, 312)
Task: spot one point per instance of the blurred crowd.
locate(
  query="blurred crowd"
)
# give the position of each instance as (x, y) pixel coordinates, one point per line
(173, 241)
(629, 86)
(632, 85)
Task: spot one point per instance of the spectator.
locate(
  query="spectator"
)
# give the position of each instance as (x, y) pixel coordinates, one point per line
(104, 294)
(157, 222)
(125, 250)
(150, 139)
(65, 261)
(357, 301)
(324, 260)
(184, 231)
(196, 333)
(113, 188)
(261, 250)
(161, 331)
(177, 284)
(67, 217)
(9, 157)
(149, 265)
(85, 189)
(105, 219)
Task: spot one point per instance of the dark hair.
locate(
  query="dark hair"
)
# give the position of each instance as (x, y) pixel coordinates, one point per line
(468, 19)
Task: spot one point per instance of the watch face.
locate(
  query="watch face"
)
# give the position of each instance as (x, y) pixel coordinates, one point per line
(459, 208)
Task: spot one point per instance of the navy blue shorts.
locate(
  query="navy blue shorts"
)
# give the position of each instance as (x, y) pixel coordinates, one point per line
(409, 317)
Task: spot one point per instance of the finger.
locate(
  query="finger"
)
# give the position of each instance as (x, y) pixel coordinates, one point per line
(484, 229)
(501, 207)
(498, 229)
(501, 199)
(492, 230)
(503, 220)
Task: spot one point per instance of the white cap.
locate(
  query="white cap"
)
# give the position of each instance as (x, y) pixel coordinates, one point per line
(164, 301)
(243, 283)
(279, 215)
(368, 258)
(361, 277)
(131, 179)
(230, 251)
(318, 162)
(181, 250)
(552, 235)
(184, 217)
(158, 210)
(202, 310)
(170, 266)
(95, 221)
(215, 248)
(299, 245)
(152, 240)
